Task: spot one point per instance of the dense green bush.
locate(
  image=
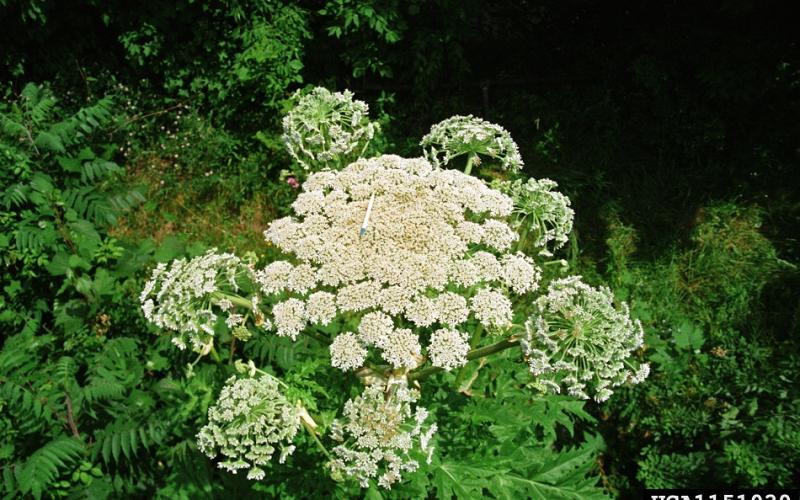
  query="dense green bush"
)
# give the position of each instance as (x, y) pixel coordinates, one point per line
(719, 403)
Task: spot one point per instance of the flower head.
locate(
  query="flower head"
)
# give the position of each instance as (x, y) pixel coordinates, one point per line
(541, 211)
(378, 430)
(289, 317)
(327, 130)
(448, 348)
(435, 245)
(189, 296)
(578, 339)
(469, 135)
(492, 308)
(249, 422)
(347, 351)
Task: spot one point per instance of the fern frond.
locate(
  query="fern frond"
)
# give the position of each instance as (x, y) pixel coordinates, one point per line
(30, 93)
(23, 407)
(182, 451)
(32, 324)
(92, 171)
(124, 201)
(43, 466)
(9, 481)
(121, 347)
(13, 129)
(86, 231)
(16, 355)
(83, 201)
(15, 195)
(48, 141)
(65, 131)
(125, 438)
(102, 212)
(30, 238)
(69, 316)
(89, 119)
(101, 389)
(91, 204)
(65, 370)
(38, 103)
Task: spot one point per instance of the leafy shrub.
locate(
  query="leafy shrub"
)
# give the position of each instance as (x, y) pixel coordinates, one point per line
(719, 403)
(239, 53)
(60, 193)
(731, 262)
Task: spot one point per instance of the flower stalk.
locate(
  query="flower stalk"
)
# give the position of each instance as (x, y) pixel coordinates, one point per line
(482, 352)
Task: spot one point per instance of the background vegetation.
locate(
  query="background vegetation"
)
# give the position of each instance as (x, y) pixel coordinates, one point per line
(136, 134)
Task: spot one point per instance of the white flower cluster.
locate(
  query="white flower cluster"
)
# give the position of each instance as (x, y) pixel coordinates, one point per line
(189, 296)
(434, 252)
(580, 341)
(469, 135)
(250, 421)
(327, 129)
(379, 430)
(540, 210)
(347, 352)
(400, 251)
(448, 348)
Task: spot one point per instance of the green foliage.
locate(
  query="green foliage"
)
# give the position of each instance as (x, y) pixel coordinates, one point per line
(63, 382)
(241, 53)
(730, 263)
(720, 394)
(56, 189)
(366, 27)
(562, 478)
(532, 446)
(43, 465)
(616, 108)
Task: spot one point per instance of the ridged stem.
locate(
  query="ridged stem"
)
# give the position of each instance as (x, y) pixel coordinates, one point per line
(482, 352)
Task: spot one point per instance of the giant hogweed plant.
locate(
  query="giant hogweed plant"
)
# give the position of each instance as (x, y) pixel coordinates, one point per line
(402, 268)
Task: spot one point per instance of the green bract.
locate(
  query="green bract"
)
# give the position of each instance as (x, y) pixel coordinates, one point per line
(327, 130)
(473, 137)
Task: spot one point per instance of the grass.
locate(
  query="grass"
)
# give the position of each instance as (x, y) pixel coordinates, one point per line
(178, 206)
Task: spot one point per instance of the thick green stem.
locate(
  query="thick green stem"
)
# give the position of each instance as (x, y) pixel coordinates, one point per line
(504, 344)
(522, 237)
(318, 337)
(470, 162)
(424, 373)
(233, 350)
(236, 299)
(313, 433)
(215, 355)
